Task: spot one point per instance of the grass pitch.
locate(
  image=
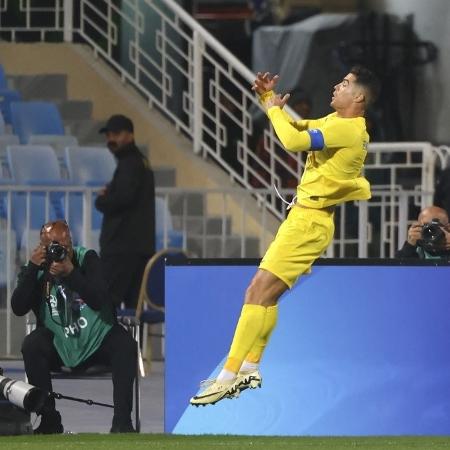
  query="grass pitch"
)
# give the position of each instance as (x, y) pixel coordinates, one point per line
(211, 442)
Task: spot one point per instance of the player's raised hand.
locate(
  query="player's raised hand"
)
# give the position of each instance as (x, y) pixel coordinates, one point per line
(264, 82)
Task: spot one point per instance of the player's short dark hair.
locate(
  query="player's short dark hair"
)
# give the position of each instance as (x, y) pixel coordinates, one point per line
(368, 80)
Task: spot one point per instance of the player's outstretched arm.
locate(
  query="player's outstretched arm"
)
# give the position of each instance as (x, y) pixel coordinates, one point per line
(290, 137)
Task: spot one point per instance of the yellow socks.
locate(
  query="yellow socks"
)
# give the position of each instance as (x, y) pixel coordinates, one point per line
(270, 320)
(249, 328)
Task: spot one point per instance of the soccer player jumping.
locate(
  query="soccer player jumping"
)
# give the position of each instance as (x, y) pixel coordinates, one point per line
(337, 146)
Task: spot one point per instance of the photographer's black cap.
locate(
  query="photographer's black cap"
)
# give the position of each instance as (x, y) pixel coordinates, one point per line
(117, 123)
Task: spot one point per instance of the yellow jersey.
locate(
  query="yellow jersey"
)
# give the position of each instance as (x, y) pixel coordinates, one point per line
(337, 149)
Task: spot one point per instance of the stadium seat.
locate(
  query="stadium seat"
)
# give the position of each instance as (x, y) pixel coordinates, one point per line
(3, 81)
(4, 276)
(3, 202)
(2, 125)
(163, 221)
(5, 140)
(5, 176)
(90, 167)
(32, 165)
(30, 118)
(7, 97)
(59, 144)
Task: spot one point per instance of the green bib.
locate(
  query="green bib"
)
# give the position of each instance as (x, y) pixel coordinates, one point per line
(78, 329)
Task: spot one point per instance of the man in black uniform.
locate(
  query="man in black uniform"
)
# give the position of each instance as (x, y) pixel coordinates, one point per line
(76, 325)
(127, 238)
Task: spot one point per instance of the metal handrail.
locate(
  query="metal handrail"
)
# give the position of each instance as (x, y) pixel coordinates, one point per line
(393, 206)
(167, 58)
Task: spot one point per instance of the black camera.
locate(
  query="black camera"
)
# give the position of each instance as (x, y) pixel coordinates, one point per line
(433, 238)
(56, 252)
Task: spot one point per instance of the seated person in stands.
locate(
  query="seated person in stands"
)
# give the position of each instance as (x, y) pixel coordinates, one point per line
(429, 237)
(76, 324)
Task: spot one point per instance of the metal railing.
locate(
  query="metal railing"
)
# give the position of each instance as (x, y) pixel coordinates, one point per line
(442, 154)
(180, 69)
(214, 222)
(23, 210)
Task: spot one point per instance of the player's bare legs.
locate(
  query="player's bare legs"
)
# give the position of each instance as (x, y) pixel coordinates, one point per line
(265, 289)
(257, 320)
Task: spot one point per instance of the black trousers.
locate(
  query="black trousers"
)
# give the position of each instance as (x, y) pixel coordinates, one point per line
(123, 274)
(118, 349)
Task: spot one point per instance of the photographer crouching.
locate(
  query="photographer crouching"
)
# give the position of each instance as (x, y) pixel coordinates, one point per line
(76, 324)
(429, 237)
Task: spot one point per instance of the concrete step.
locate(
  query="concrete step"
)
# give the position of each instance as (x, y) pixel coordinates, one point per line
(48, 87)
(86, 131)
(74, 109)
(165, 176)
(214, 247)
(211, 226)
(191, 204)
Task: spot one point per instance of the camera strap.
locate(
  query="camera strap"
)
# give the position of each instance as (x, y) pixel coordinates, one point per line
(53, 287)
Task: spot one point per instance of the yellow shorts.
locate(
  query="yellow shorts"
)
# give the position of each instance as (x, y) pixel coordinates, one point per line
(300, 240)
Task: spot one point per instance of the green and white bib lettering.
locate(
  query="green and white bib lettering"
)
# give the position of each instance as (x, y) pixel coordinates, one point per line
(78, 329)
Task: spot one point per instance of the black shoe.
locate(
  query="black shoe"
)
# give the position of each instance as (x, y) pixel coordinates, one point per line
(122, 427)
(50, 424)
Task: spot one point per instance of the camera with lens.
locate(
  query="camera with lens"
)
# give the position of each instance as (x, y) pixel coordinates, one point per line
(21, 394)
(56, 252)
(433, 238)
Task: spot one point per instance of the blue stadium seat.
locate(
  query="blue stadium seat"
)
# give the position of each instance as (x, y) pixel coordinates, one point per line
(163, 219)
(90, 166)
(30, 166)
(7, 97)
(87, 166)
(3, 81)
(5, 179)
(2, 125)
(5, 140)
(30, 118)
(58, 142)
(4, 274)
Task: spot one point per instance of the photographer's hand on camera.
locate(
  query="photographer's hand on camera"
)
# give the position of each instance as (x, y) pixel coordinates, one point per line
(414, 233)
(446, 231)
(62, 268)
(38, 255)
